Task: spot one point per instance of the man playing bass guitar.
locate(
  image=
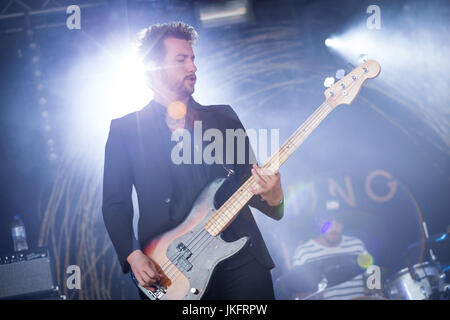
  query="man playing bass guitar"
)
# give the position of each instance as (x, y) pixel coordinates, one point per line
(139, 152)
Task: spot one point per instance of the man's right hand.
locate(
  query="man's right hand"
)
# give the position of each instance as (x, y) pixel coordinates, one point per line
(144, 269)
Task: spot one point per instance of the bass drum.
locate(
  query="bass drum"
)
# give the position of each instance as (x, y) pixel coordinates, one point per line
(421, 282)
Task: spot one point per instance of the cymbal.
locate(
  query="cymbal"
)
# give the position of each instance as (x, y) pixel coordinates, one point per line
(305, 278)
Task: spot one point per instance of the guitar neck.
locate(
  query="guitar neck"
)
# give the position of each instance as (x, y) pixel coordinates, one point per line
(229, 210)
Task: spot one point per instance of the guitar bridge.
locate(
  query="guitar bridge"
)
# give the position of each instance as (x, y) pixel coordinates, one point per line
(152, 295)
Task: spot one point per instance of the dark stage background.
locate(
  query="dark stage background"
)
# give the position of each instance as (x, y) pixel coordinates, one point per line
(385, 157)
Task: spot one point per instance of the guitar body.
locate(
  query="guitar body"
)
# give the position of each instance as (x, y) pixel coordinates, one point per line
(187, 255)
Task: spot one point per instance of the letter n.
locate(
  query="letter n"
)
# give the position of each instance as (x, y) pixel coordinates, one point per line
(334, 187)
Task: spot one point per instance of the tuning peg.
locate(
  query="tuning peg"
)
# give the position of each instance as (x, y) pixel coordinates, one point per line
(340, 74)
(363, 57)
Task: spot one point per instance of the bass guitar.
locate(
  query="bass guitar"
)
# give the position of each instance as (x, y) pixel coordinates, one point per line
(187, 255)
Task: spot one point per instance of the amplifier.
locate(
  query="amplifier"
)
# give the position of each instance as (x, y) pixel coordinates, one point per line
(26, 274)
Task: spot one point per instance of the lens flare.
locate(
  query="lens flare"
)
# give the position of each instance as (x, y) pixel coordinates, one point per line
(365, 260)
(326, 226)
(176, 110)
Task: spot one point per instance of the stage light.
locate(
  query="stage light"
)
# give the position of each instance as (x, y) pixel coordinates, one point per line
(105, 86)
(356, 43)
(409, 49)
(223, 13)
(127, 84)
(333, 42)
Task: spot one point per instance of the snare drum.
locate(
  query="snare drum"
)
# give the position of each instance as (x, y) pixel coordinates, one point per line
(417, 283)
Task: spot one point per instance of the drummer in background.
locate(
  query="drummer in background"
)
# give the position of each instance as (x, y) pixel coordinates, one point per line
(331, 242)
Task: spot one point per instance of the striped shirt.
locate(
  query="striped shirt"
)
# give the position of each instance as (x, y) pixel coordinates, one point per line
(311, 251)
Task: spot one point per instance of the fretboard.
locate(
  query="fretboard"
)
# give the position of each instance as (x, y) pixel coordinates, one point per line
(230, 209)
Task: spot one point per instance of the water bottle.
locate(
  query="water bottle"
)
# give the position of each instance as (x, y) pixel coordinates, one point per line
(18, 234)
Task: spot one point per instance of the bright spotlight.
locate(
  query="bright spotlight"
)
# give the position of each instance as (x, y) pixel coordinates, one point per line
(104, 87)
(406, 61)
(127, 85)
(332, 42)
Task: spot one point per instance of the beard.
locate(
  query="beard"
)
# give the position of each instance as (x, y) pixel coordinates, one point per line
(182, 88)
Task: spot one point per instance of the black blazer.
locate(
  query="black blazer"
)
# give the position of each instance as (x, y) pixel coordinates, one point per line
(137, 153)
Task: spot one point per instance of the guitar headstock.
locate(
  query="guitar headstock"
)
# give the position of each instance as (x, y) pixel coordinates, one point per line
(345, 90)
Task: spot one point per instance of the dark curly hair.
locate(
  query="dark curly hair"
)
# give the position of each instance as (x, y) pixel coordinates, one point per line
(151, 40)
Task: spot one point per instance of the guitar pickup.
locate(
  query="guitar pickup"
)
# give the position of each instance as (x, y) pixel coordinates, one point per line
(185, 252)
(184, 264)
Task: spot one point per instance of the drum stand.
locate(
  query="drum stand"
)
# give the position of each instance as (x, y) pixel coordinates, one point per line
(320, 288)
(425, 230)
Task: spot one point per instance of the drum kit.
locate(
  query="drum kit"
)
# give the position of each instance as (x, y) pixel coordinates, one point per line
(425, 280)
(420, 281)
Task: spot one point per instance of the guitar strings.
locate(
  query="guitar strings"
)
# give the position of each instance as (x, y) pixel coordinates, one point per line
(235, 196)
(294, 137)
(281, 153)
(205, 233)
(193, 238)
(284, 152)
(165, 264)
(241, 190)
